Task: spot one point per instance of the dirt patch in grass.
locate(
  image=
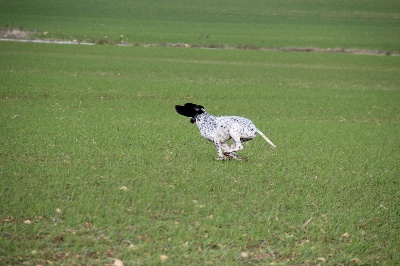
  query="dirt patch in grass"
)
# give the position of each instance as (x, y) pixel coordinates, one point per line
(18, 34)
(15, 33)
(284, 49)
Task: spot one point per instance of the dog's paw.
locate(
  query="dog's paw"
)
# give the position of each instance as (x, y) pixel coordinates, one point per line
(224, 158)
(229, 156)
(232, 155)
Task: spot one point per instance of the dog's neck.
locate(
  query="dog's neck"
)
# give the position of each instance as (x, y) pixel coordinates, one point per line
(194, 118)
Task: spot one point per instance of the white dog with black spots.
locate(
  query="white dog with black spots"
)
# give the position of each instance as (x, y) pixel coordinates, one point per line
(220, 129)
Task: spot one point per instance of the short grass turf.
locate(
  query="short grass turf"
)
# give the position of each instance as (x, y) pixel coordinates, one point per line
(96, 166)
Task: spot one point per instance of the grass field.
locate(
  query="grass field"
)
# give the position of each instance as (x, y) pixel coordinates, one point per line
(96, 166)
(354, 24)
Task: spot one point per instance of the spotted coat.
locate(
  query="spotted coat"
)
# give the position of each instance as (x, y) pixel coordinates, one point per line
(220, 129)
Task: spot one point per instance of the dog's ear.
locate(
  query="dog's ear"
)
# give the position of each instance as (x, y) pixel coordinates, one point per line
(187, 110)
(190, 105)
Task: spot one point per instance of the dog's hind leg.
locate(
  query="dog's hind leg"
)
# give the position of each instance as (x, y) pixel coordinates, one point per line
(223, 151)
(236, 146)
(225, 147)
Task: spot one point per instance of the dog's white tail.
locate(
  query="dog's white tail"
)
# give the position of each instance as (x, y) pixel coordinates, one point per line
(265, 137)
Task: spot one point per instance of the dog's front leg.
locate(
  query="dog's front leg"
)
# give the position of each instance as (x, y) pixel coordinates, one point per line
(218, 146)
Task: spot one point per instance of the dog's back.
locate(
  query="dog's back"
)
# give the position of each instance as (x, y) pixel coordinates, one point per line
(223, 127)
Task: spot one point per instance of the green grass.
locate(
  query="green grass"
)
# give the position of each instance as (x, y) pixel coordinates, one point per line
(92, 131)
(355, 24)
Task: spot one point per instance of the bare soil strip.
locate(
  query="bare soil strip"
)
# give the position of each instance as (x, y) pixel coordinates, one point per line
(212, 46)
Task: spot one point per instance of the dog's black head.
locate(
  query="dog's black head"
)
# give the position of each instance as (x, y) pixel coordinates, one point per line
(190, 110)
